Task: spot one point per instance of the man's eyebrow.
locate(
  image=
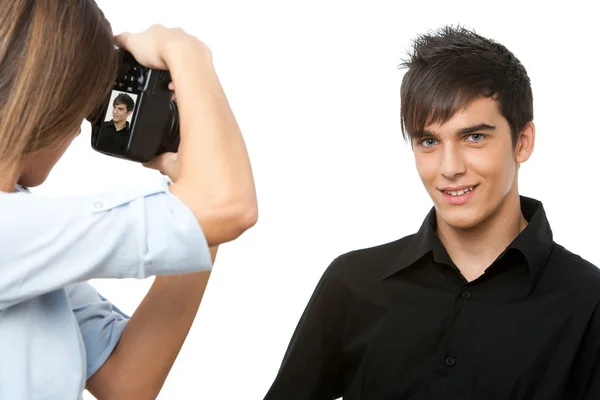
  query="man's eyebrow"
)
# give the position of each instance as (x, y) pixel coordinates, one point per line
(475, 128)
(463, 131)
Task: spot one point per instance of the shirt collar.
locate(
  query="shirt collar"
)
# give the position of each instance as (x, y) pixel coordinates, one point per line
(534, 242)
(19, 188)
(112, 123)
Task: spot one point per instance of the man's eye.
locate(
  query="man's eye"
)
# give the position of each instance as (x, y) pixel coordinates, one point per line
(428, 142)
(476, 137)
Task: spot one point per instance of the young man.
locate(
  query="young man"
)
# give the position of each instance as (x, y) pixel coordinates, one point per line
(480, 303)
(115, 132)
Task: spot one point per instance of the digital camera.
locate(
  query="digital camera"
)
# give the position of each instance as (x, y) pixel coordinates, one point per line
(138, 120)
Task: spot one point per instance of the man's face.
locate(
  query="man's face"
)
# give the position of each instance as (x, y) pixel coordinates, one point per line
(469, 165)
(120, 112)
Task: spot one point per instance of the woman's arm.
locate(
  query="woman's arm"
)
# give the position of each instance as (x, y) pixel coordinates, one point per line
(152, 339)
(214, 176)
(47, 243)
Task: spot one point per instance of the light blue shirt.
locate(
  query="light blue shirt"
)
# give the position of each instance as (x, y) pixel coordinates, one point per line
(55, 329)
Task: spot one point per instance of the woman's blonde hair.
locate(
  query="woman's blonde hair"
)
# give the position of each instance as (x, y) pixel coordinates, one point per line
(57, 64)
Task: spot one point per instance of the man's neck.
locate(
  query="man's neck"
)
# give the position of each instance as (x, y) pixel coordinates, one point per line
(474, 250)
(120, 125)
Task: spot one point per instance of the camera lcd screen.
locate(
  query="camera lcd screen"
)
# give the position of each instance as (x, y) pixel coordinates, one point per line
(115, 131)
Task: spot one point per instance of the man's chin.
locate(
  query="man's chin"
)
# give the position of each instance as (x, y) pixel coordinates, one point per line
(462, 219)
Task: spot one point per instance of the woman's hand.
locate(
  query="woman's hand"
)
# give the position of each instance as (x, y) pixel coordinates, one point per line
(152, 47)
(167, 164)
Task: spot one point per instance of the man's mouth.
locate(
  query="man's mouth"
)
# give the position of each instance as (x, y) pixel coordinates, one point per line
(461, 192)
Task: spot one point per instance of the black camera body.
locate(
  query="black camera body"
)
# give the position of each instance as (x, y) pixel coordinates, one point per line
(138, 121)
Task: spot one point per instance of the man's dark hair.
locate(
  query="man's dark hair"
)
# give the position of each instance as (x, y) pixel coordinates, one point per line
(449, 68)
(124, 99)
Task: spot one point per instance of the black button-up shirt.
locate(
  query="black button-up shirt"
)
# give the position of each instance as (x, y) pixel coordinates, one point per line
(113, 140)
(399, 321)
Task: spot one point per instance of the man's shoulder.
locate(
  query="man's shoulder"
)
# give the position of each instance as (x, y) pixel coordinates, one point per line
(368, 262)
(573, 270)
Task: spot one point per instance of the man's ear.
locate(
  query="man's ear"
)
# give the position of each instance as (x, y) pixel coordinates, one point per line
(525, 143)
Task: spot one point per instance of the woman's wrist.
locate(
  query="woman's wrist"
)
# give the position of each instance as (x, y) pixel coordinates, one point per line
(184, 50)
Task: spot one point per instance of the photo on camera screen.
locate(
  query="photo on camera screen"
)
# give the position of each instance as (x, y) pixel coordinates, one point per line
(115, 129)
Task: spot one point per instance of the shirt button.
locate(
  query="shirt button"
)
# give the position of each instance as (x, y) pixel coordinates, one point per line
(98, 204)
(450, 361)
(466, 295)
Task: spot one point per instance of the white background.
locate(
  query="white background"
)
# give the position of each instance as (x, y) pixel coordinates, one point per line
(315, 88)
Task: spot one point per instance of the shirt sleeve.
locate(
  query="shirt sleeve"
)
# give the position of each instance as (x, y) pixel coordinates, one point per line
(585, 377)
(49, 242)
(100, 322)
(311, 367)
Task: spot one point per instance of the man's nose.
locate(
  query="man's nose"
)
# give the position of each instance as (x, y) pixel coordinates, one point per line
(452, 165)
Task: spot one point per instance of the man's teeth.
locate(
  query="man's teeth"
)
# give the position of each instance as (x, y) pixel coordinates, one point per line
(460, 192)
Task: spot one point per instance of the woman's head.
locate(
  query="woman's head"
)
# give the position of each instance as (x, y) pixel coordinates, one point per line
(57, 63)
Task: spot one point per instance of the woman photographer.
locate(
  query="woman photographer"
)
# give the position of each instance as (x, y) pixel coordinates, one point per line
(58, 336)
